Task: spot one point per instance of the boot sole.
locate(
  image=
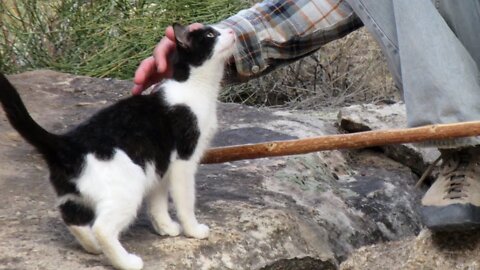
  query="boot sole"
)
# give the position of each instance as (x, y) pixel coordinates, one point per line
(454, 217)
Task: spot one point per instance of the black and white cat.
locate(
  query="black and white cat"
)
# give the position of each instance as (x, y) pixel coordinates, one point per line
(141, 147)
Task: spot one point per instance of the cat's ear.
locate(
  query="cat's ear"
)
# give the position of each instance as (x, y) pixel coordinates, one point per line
(181, 35)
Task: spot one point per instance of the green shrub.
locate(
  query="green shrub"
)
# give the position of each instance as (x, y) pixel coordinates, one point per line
(100, 38)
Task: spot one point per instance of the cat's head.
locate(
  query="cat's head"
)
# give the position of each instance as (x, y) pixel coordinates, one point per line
(200, 47)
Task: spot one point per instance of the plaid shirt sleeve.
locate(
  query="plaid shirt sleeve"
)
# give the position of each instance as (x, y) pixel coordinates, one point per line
(277, 32)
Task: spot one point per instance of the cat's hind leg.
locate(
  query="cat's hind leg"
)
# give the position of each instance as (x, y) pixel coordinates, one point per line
(85, 237)
(110, 222)
(158, 210)
(182, 182)
(116, 187)
(78, 217)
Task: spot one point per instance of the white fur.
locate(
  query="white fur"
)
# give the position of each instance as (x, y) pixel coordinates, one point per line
(203, 102)
(116, 187)
(85, 236)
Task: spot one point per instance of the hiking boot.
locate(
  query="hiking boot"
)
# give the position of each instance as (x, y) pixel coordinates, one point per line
(453, 201)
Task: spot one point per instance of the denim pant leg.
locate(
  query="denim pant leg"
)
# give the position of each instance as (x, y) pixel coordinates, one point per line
(437, 72)
(379, 19)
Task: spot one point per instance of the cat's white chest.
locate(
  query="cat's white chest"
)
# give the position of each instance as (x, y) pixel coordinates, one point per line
(205, 111)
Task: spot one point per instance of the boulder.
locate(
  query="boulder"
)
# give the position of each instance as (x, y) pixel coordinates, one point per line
(364, 117)
(299, 212)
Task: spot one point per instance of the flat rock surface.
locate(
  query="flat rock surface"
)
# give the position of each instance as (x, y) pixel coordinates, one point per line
(300, 212)
(442, 251)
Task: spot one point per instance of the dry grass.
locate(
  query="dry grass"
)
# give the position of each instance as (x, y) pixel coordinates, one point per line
(346, 71)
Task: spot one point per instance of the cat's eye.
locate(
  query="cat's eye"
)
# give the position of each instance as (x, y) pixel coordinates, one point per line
(210, 35)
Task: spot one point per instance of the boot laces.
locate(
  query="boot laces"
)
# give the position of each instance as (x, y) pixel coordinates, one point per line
(454, 168)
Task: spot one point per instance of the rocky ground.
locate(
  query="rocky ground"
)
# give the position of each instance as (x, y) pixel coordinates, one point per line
(309, 211)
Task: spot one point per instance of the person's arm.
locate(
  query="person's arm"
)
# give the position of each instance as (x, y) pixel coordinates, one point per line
(278, 32)
(269, 34)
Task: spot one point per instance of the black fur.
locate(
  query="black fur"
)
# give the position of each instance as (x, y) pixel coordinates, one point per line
(181, 117)
(193, 53)
(76, 214)
(145, 127)
(22, 121)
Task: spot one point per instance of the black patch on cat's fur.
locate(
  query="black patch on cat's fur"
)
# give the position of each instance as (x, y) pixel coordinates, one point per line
(196, 49)
(182, 118)
(76, 214)
(145, 127)
(60, 174)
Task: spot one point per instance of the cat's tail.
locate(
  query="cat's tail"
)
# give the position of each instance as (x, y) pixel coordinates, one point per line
(46, 142)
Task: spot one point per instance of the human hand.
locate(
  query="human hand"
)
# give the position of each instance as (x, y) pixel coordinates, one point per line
(156, 67)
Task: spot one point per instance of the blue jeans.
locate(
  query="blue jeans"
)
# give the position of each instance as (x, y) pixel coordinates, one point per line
(433, 52)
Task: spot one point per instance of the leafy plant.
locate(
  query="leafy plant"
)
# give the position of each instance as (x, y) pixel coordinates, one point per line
(100, 38)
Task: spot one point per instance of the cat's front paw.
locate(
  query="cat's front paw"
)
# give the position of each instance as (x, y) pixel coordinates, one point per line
(171, 228)
(130, 262)
(200, 231)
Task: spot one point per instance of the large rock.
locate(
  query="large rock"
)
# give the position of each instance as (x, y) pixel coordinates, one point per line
(301, 212)
(364, 117)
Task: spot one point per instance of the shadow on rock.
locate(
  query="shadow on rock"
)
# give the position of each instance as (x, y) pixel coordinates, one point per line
(456, 241)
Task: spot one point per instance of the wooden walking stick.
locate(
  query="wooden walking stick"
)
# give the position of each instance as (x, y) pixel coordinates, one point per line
(342, 141)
